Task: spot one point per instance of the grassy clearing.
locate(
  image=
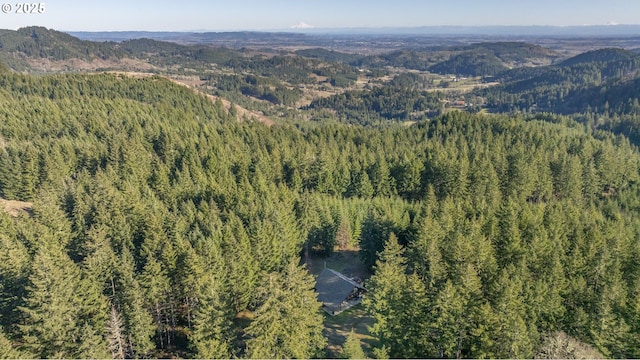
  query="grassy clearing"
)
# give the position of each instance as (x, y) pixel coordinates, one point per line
(15, 208)
(337, 327)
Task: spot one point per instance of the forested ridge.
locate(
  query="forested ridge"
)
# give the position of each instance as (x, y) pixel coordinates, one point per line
(162, 226)
(394, 102)
(560, 88)
(463, 59)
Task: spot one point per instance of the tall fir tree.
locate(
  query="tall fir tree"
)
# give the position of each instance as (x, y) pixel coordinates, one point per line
(212, 320)
(138, 322)
(62, 317)
(397, 302)
(288, 323)
(116, 337)
(213, 314)
(352, 348)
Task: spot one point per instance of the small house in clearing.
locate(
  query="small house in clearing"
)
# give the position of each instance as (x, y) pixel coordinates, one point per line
(337, 292)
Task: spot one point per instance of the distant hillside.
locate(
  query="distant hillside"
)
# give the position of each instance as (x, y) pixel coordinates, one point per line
(618, 97)
(16, 47)
(19, 48)
(164, 52)
(488, 59)
(601, 56)
(584, 82)
(518, 53)
(329, 55)
(381, 104)
(408, 59)
(145, 45)
(471, 63)
(41, 42)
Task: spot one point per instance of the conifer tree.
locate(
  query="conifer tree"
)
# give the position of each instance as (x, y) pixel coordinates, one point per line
(15, 264)
(376, 229)
(508, 243)
(116, 337)
(343, 233)
(29, 174)
(61, 318)
(212, 320)
(450, 320)
(517, 339)
(380, 176)
(242, 268)
(424, 252)
(138, 322)
(9, 351)
(155, 283)
(387, 300)
(418, 331)
(287, 324)
(352, 349)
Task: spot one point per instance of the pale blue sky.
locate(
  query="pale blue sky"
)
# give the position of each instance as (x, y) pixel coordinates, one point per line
(217, 15)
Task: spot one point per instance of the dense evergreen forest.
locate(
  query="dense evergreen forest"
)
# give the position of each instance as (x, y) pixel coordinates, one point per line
(157, 219)
(163, 225)
(394, 102)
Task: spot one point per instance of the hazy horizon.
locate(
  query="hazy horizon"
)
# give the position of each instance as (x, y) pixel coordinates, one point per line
(254, 15)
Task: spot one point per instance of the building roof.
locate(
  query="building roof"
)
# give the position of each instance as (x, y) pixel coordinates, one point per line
(333, 288)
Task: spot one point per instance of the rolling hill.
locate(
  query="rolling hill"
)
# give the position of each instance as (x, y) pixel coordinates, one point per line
(19, 49)
(492, 58)
(577, 84)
